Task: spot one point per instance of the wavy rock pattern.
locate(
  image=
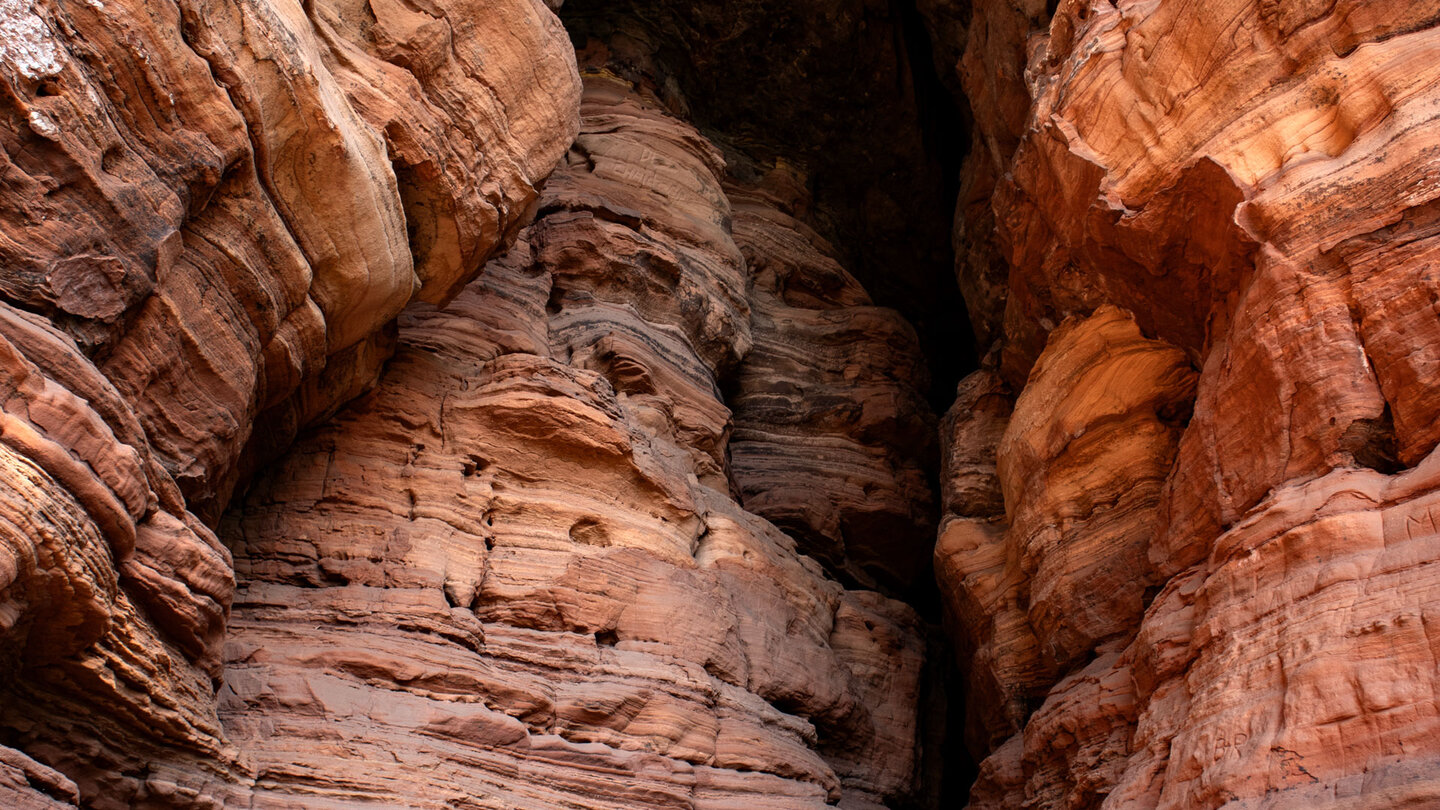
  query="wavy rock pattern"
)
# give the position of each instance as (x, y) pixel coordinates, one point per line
(830, 426)
(205, 205)
(1253, 183)
(517, 560)
(1188, 505)
(1081, 462)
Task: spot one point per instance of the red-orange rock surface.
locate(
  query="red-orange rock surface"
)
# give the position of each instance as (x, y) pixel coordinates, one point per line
(593, 480)
(517, 563)
(511, 575)
(204, 207)
(1254, 184)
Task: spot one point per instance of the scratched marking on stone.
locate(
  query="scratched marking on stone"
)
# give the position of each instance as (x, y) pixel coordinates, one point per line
(1227, 746)
(1426, 524)
(1416, 520)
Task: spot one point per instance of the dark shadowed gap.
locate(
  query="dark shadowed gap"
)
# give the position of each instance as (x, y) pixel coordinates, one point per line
(848, 90)
(945, 132)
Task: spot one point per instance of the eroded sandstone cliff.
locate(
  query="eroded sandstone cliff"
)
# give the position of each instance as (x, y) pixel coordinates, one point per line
(1186, 546)
(518, 561)
(517, 572)
(391, 417)
(205, 210)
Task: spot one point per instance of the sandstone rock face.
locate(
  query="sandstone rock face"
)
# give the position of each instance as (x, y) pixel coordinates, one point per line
(601, 486)
(1081, 462)
(830, 428)
(513, 574)
(1228, 608)
(205, 205)
(517, 561)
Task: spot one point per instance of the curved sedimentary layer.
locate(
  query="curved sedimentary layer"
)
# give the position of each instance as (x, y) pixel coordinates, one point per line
(831, 430)
(597, 534)
(211, 212)
(517, 561)
(1253, 184)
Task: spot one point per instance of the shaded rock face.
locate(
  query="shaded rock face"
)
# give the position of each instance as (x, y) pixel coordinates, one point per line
(832, 436)
(1185, 552)
(847, 91)
(518, 561)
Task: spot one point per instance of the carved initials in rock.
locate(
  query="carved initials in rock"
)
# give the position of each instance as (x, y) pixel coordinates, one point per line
(1230, 746)
(1425, 523)
(1412, 521)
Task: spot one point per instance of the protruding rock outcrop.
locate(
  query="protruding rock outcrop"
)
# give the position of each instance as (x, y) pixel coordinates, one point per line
(1168, 607)
(513, 574)
(517, 560)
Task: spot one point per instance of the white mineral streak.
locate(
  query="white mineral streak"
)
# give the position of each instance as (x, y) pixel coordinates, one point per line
(26, 43)
(43, 126)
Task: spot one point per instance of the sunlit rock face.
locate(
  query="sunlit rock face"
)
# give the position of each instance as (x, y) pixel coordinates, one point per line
(211, 211)
(517, 561)
(1206, 577)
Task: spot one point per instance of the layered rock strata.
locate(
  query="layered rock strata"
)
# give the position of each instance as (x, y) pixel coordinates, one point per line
(832, 435)
(513, 575)
(1230, 610)
(204, 206)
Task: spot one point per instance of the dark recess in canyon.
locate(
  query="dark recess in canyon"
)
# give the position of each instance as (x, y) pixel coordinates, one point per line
(852, 94)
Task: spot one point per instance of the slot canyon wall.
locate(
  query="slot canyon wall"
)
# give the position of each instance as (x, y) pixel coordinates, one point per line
(1187, 548)
(437, 403)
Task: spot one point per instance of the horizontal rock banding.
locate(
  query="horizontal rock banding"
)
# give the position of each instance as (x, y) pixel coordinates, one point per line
(517, 559)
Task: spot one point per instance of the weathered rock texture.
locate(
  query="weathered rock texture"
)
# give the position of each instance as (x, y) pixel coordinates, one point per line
(981, 49)
(204, 206)
(1229, 210)
(613, 526)
(841, 89)
(831, 431)
(513, 574)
